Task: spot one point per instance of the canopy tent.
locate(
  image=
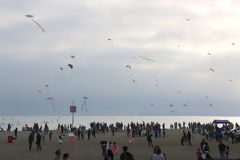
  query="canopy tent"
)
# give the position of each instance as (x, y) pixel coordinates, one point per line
(221, 121)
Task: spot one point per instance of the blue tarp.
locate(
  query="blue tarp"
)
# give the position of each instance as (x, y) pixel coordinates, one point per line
(221, 121)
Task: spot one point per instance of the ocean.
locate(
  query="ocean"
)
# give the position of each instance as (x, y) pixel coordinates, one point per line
(20, 121)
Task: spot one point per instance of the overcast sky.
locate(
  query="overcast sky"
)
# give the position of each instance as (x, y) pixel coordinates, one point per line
(177, 35)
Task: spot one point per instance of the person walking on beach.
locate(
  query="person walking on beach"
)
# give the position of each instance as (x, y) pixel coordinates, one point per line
(149, 139)
(38, 142)
(115, 147)
(227, 151)
(126, 155)
(222, 147)
(30, 140)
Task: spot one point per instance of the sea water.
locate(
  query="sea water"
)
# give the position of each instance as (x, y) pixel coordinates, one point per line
(52, 121)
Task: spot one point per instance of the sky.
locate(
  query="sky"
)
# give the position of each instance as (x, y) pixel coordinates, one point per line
(183, 38)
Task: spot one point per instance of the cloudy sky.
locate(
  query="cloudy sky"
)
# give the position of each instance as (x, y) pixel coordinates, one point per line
(184, 38)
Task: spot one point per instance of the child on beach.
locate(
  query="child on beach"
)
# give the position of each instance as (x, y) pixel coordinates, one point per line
(199, 154)
(115, 147)
(60, 142)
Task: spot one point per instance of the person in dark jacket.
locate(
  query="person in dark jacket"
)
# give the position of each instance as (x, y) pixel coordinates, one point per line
(38, 142)
(30, 140)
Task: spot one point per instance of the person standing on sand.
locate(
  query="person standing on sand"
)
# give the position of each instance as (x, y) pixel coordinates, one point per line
(158, 155)
(65, 156)
(58, 155)
(89, 133)
(126, 155)
(30, 140)
(109, 155)
(189, 136)
(50, 135)
(163, 129)
(227, 150)
(149, 139)
(38, 142)
(15, 132)
(60, 142)
(222, 147)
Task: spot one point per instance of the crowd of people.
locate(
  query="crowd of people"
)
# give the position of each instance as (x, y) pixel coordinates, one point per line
(133, 130)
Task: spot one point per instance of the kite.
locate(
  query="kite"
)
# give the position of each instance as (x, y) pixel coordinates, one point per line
(72, 56)
(209, 54)
(72, 137)
(31, 16)
(156, 85)
(152, 104)
(146, 59)
(39, 91)
(211, 69)
(171, 105)
(52, 102)
(38, 25)
(109, 39)
(178, 91)
(128, 66)
(70, 65)
(84, 103)
(187, 19)
(46, 85)
(185, 105)
(61, 68)
(134, 80)
(233, 44)
(172, 110)
(211, 105)
(206, 97)
(230, 80)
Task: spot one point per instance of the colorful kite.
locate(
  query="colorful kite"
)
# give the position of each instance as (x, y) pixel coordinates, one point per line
(185, 105)
(72, 56)
(146, 58)
(134, 81)
(61, 68)
(171, 105)
(70, 65)
(46, 85)
(31, 16)
(84, 104)
(52, 102)
(178, 91)
(187, 19)
(39, 91)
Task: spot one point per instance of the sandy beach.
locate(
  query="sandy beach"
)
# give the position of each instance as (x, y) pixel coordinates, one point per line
(91, 150)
